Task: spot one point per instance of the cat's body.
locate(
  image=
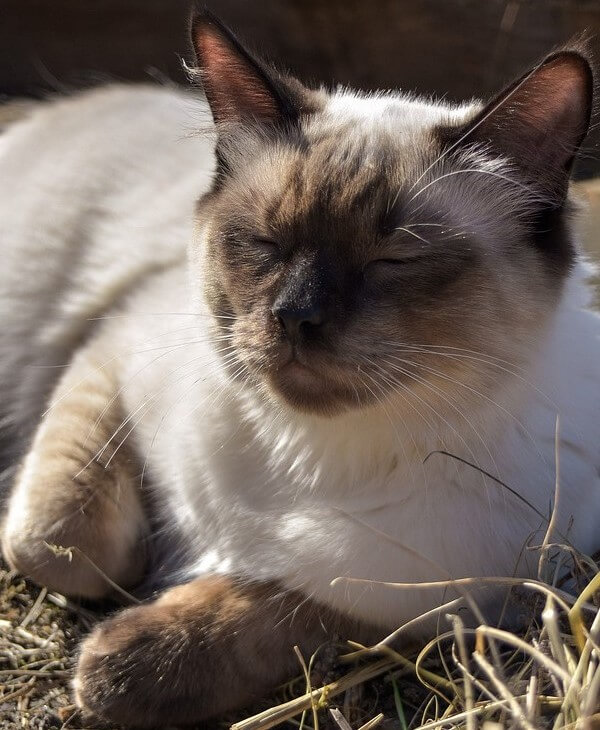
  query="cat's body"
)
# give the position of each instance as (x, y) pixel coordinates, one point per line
(51, 201)
(95, 227)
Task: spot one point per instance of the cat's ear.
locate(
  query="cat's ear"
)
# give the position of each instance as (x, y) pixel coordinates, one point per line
(540, 120)
(238, 86)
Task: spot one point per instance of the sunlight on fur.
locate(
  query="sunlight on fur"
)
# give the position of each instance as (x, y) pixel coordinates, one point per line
(301, 379)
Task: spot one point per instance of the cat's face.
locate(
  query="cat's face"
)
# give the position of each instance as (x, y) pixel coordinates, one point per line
(359, 251)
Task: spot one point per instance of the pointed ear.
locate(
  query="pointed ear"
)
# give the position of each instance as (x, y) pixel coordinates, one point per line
(238, 86)
(540, 121)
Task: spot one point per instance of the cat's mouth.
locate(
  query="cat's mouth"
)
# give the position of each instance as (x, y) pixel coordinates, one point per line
(308, 380)
(296, 372)
(311, 387)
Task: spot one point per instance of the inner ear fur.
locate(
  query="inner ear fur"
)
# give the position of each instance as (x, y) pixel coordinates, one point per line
(239, 86)
(540, 120)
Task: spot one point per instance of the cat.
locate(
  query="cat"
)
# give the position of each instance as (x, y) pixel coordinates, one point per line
(342, 367)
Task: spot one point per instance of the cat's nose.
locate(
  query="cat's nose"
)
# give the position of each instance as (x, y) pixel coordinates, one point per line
(298, 320)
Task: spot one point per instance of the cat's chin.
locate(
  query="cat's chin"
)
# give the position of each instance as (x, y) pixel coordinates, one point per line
(308, 391)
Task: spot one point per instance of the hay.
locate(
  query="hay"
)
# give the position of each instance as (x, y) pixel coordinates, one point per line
(39, 634)
(546, 676)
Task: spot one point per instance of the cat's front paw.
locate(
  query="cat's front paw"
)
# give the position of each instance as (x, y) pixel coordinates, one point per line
(119, 674)
(164, 662)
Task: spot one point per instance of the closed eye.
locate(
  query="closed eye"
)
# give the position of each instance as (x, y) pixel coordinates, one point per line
(390, 268)
(398, 262)
(267, 244)
(392, 262)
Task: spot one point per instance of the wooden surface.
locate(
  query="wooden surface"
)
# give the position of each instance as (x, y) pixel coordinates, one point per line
(589, 222)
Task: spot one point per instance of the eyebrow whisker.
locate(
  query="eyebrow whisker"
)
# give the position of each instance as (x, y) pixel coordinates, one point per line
(412, 233)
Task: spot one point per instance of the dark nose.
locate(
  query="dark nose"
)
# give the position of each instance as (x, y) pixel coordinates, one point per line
(298, 320)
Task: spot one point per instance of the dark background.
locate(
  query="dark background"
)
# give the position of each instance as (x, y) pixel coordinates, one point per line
(455, 48)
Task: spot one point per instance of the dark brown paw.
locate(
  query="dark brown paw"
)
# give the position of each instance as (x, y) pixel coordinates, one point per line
(117, 680)
(148, 667)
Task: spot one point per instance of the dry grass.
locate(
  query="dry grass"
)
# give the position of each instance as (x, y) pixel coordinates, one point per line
(39, 634)
(547, 675)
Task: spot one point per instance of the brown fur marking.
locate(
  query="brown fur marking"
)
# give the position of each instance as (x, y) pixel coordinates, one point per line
(70, 499)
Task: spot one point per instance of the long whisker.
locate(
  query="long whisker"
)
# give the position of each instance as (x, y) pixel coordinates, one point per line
(129, 315)
(442, 418)
(452, 405)
(239, 423)
(404, 391)
(216, 395)
(479, 171)
(108, 362)
(405, 229)
(154, 360)
(393, 425)
(457, 354)
(479, 394)
(168, 383)
(418, 225)
(145, 405)
(430, 347)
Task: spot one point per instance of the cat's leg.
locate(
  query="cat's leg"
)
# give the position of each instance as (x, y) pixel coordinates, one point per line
(200, 650)
(64, 496)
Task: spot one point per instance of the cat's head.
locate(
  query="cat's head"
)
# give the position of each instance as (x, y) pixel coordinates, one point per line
(358, 248)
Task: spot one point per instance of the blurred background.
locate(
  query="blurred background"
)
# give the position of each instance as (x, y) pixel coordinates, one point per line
(455, 48)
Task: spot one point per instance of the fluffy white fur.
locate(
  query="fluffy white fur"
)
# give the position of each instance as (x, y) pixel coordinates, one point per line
(96, 208)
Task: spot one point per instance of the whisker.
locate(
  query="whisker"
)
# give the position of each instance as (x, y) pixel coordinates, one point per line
(404, 391)
(176, 403)
(433, 347)
(476, 392)
(440, 416)
(412, 233)
(154, 360)
(146, 404)
(452, 405)
(479, 171)
(418, 225)
(458, 355)
(147, 401)
(160, 314)
(106, 363)
(393, 425)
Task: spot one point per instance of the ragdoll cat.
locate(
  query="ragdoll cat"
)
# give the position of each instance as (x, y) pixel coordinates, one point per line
(371, 280)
